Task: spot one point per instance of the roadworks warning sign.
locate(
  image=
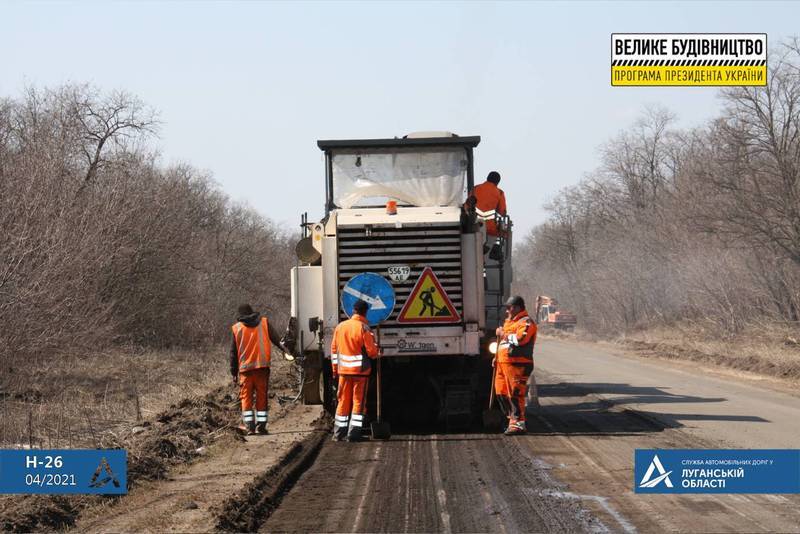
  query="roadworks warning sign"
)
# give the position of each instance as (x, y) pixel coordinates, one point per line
(428, 302)
(688, 59)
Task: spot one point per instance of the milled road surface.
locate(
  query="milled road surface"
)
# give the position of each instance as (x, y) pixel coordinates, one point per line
(574, 472)
(435, 483)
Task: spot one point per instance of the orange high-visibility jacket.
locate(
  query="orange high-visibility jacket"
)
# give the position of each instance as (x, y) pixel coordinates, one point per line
(490, 199)
(519, 336)
(252, 345)
(353, 346)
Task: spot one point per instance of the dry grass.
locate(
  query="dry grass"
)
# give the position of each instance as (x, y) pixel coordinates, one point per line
(163, 407)
(770, 349)
(73, 401)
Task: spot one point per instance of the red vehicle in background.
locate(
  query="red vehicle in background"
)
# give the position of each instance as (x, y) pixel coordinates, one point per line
(548, 314)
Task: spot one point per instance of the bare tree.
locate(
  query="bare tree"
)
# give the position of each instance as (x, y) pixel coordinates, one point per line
(148, 255)
(111, 123)
(700, 225)
(751, 166)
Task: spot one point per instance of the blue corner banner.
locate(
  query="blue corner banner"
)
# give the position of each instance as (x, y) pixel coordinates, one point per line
(717, 471)
(62, 471)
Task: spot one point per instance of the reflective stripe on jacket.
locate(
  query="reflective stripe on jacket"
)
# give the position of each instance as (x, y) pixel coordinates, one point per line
(519, 337)
(353, 347)
(490, 199)
(252, 345)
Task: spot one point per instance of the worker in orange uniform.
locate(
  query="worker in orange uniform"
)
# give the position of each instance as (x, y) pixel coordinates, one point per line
(489, 199)
(514, 361)
(250, 359)
(352, 351)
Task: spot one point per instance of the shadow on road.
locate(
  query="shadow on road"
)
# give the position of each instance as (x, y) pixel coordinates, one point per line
(575, 408)
(579, 408)
(633, 394)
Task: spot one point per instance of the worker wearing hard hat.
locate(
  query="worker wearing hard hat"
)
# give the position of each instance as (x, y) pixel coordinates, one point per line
(352, 350)
(489, 200)
(514, 361)
(250, 360)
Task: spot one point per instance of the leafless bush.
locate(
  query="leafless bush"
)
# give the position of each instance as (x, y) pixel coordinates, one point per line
(100, 245)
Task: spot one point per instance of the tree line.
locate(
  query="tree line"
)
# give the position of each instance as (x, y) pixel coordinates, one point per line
(102, 245)
(698, 224)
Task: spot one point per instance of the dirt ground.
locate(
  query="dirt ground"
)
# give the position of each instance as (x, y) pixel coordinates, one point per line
(193, 498)
(770, 350)
(178, 436)
(168, 442)
(87, 400)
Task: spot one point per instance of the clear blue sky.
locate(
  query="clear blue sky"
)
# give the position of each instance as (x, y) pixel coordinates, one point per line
(246, 89)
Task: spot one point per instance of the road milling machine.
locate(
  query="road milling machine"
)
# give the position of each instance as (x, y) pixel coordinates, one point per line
(399, 208)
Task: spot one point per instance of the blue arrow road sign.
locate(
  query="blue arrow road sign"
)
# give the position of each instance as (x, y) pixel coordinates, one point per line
(375, 290)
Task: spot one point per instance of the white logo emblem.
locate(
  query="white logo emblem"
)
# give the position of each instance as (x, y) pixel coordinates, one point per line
(655, 465)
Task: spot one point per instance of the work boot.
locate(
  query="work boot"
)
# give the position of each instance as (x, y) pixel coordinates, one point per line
(261, 428)
(515, 428)
(248, 428)
(355, 435)
(339, 433)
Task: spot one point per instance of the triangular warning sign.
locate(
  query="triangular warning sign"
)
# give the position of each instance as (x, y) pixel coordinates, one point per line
(428, 302)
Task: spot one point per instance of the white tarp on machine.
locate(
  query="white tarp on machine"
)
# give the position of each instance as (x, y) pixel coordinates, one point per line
(424, 177)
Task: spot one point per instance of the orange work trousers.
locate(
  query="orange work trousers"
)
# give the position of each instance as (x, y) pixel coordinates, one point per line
(351, 406)
(511, 387)
(254, 383)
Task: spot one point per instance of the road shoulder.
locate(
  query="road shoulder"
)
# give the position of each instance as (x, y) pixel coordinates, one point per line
(192, 497)
(674, 360)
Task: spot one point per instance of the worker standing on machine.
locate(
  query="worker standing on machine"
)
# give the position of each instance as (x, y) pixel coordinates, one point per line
(514, 362)
(352, 350)
(250, 360)
(490, 199)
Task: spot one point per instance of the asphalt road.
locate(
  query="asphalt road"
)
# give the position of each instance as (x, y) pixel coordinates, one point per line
(719, 405)
(600, 404)
(573, 472)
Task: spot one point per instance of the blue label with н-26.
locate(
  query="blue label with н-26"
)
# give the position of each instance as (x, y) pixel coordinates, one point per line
(62, 471)
(717, 471)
